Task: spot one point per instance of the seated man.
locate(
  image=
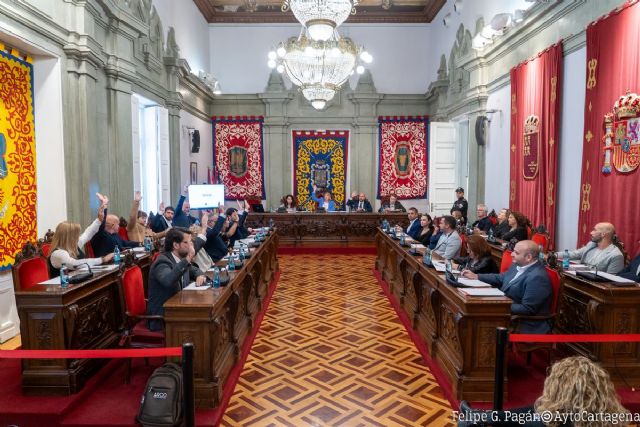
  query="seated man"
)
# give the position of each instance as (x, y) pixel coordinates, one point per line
(171, 272)
(483, 224)
(359, 203)
(526, 282)
(163, 219)
(393, 205)
(107, 238)
(182, 217)
(600, 252)
(413, 230)
(632, 271)
(236, 230)
(215, 245)
(449, 243)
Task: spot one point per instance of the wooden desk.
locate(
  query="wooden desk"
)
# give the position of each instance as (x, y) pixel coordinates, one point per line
(600, 308)
(88, 315)
(459, 331)
(331, 227)
(217, 321)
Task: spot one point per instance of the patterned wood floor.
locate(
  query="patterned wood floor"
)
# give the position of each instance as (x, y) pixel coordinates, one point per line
(331, 351)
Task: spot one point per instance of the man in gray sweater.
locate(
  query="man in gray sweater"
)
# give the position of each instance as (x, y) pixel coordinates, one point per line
(600, 252)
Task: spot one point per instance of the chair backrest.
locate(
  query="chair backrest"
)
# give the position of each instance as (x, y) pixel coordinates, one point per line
(463, 245)
(556, 285)
(506, 261)
(529, 232)
(45, 248)
(88, 250)
(122, 232)
(541, 239)
(29, 267)
(133, 289)
(155, 256)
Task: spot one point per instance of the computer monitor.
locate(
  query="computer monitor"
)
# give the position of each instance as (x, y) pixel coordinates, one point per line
(206, 196)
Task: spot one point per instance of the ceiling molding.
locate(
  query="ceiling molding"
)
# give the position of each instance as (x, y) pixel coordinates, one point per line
(422, 11)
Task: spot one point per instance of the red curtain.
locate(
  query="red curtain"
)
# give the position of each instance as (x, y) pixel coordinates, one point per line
(613, 69)
(535, 116)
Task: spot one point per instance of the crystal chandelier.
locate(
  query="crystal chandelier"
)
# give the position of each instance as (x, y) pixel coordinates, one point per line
(320, 17)
(319, 68)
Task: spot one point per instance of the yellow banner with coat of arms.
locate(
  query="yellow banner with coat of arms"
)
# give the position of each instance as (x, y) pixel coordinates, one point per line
(17, 156)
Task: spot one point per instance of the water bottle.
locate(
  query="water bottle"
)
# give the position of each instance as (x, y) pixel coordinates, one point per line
(271, 223)
(426, 259)
(565, 260)
(64, 276)
(147, 243)
(541, 253)
(116, 255)
(490, 235)
(232, 264)
(241, 253)
(402, 240)
(216, 277)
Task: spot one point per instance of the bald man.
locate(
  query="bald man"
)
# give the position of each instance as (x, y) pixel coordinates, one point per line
(600, 251)
(526, 283)
(107, 238)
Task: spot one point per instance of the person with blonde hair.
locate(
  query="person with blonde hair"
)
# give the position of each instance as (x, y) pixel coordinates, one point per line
(575, 387)
(68, 244)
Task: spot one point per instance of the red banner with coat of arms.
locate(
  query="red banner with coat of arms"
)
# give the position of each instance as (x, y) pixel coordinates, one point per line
(238, 156)
(535, 117)
(402, 157)
(610, 185)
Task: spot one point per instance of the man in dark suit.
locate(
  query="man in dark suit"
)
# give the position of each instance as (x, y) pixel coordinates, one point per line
(413, 230)
(632, 271)
(215, 245)
(392, 206)
(107, 238)
(182, 217)
(483, 224)
(162, 220)
(526, 282)
(236, 230)
(171, 272)
(359, 203)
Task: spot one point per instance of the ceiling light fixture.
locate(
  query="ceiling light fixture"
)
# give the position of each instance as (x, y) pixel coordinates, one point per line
(320, 17)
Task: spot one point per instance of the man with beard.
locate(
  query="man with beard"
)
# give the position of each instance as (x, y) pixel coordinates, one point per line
(600, 252)
(171, 272)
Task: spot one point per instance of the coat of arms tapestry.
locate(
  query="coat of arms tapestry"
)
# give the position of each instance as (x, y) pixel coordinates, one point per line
(536, 90)
(320, 159)
(17, 156)
(238, 156)
(610, 184)
(403, 146)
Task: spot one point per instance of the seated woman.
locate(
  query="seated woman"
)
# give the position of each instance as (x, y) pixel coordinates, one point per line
(324, 202)
(574, 386)
(68, 243)
(435, 236)
(502, 227)
(479, 259)
(426, 231)
(288, 202)
(517, 227)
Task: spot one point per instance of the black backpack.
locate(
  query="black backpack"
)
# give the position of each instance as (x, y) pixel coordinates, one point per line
(161, 403)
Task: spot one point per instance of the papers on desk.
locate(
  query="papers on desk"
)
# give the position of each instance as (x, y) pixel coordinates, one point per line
(418, 246)
(54, 281)
(608, 276)
(473, 283)
(482, 292)
(192, 287)
(139, 250)
(102, 268)
(579, 267)
(442, 267)
(246, 242)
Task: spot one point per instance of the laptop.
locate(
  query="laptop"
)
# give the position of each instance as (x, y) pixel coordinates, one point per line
(257, 207)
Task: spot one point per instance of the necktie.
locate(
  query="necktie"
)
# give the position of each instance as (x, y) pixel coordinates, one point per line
(360, 206)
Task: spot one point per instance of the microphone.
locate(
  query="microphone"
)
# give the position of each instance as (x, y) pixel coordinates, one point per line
(79, 278)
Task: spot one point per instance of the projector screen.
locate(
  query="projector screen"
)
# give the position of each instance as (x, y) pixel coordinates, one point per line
(206, 196)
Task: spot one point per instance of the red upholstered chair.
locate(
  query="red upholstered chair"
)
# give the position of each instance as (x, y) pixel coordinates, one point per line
(88, 250)
(45, 243)
(556, 291)
(46, 249)
(122, 232)
(136, 333)
(506, 261)
(541, 240)
(463, 245)
(29, 268)
(155, 256)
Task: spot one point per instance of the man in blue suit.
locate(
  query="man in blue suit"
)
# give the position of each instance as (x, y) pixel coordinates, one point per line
(413, 229)
(632, 271)
(526, 283)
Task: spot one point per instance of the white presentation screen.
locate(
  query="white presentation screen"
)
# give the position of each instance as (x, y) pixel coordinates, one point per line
(206, 196)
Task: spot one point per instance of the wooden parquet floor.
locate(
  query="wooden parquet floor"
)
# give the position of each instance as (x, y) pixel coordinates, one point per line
(332, 352)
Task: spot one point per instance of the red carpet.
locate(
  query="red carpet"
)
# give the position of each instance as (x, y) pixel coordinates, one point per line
(525, 383)
(105, 400)
(369, 250)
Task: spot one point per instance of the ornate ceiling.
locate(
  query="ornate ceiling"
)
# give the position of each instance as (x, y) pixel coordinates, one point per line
(367, 11)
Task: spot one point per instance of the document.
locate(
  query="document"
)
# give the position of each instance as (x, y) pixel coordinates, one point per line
(481, 292)
(192, 287)
(473, 283)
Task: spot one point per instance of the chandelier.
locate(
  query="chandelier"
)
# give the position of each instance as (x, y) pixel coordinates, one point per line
(320, 17)
(318, 67)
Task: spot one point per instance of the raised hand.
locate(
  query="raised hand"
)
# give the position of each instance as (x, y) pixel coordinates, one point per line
(161, 207)
(354, 195)
(137, 196)
(104, 200)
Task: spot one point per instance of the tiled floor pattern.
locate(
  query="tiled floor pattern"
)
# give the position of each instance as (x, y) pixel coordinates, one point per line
(331, 352)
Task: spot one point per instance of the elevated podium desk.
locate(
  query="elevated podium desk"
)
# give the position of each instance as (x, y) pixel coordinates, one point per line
(302, 228)
(458, 330)
(217, 321)
(602, 308)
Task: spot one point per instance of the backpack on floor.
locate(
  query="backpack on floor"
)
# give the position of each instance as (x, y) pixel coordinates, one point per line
(161, 403)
